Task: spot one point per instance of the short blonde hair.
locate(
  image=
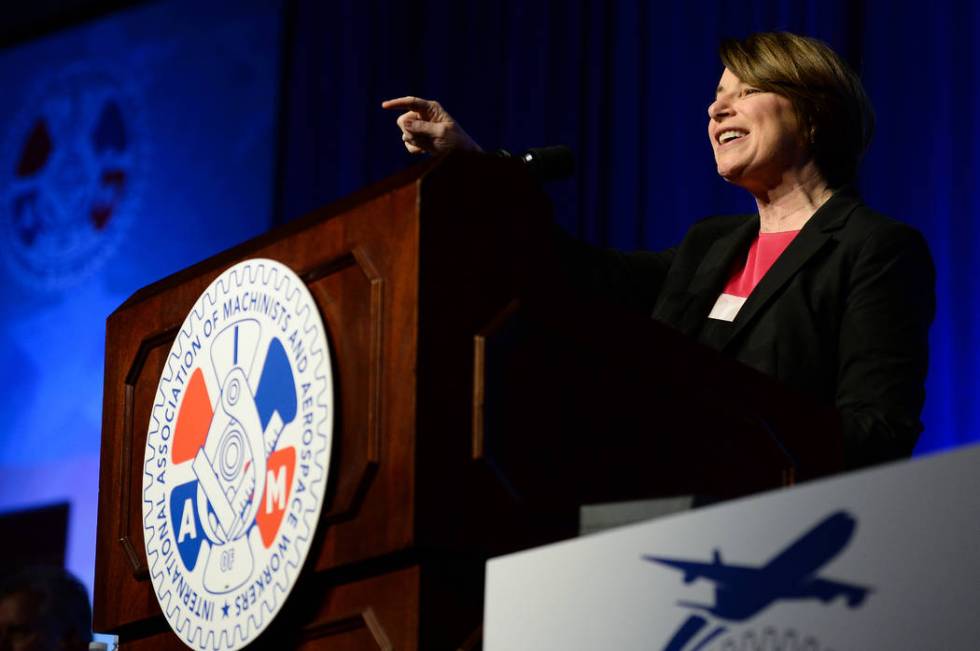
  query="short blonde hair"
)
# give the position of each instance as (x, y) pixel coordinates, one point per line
(834, 111)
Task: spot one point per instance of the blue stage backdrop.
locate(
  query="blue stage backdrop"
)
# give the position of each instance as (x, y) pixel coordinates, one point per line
(627, 85)
(129, 148)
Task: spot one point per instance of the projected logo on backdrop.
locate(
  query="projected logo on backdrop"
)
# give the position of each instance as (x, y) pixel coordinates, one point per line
(237, 455)
(71, 172)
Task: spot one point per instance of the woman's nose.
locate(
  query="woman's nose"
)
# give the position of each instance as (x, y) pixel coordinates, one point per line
(719, 109)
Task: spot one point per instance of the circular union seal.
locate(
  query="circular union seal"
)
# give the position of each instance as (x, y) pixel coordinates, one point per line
(73, 169)
(237, 455)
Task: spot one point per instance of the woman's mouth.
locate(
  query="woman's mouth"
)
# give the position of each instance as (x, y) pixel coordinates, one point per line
(729, 136)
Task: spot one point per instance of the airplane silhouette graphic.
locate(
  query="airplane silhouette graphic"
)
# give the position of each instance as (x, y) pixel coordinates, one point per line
(741, 592)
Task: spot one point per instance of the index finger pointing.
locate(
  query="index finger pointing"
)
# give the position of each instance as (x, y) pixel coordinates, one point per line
(408, 102)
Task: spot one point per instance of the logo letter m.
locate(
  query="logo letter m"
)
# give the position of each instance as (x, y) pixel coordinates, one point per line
(275, 489)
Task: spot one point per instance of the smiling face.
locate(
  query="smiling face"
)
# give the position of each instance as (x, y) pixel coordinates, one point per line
(755, 135)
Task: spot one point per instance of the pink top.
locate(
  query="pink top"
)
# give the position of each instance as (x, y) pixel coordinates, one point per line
(762, 254)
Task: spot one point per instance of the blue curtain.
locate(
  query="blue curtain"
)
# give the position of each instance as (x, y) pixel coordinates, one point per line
(626, 85)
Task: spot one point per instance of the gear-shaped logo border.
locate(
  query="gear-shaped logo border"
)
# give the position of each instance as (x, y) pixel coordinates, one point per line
(204, 612)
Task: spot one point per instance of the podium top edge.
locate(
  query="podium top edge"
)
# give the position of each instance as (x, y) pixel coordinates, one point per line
(407, 176)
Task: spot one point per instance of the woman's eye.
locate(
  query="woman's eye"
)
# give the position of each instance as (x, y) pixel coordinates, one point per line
(751, 91)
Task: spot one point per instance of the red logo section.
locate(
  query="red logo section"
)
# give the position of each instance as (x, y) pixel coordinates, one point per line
(275, 497)
(193, 420)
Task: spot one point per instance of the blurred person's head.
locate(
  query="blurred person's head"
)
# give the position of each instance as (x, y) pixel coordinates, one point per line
(44, 608)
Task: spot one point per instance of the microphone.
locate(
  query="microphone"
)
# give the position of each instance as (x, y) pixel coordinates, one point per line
(545, 163)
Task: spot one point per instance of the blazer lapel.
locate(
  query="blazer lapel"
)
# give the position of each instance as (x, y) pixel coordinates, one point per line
(814, 235)
(710, 277)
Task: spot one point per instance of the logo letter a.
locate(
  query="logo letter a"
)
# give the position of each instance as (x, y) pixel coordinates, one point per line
(187, 525)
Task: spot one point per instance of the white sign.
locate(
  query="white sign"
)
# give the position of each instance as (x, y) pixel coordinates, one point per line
(237, 454)
(887, 558)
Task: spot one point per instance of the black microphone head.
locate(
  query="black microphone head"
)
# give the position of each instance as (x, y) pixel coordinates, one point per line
(549, 163)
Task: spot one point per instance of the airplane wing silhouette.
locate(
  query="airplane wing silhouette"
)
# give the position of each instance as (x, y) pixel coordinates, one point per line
(741, 592)
(716, 570)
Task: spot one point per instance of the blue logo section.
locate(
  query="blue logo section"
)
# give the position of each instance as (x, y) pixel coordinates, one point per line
(743, 592)
(276, 392)
(186, 523)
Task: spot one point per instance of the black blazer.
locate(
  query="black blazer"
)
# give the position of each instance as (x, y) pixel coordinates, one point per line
(843, 314)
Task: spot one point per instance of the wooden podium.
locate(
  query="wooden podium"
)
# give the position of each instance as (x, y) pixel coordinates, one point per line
(480, 402)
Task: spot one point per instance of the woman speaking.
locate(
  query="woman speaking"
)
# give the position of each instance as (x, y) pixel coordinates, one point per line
(815, 288)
